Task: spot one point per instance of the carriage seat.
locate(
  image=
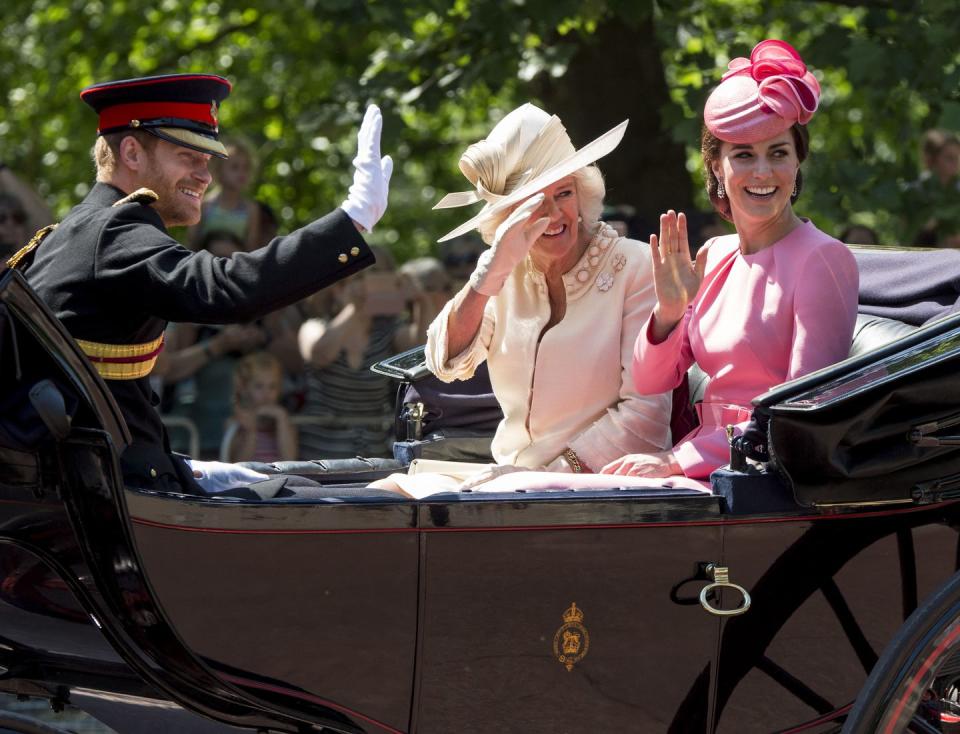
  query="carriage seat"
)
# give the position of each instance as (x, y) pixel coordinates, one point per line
(331, 471)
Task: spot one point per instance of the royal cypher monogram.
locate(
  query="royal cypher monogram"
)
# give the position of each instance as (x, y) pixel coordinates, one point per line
(571, 642)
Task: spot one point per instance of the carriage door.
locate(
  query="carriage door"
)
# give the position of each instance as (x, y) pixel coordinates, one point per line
(572, 614)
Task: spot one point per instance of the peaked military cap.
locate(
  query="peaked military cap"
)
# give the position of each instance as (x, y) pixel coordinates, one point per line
(180, 108)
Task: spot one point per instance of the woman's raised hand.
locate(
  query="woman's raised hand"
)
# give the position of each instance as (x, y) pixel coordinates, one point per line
(676, 277)
(513, 239)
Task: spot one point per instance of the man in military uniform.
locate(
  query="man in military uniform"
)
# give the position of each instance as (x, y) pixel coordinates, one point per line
(115, 277)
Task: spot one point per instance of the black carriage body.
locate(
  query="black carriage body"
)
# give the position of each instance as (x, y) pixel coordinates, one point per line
(571, 611)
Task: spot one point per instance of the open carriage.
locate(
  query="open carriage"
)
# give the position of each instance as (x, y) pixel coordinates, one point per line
(761, 607)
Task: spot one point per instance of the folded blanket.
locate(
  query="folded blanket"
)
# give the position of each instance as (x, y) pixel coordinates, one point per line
(913, 286)
(424, 484)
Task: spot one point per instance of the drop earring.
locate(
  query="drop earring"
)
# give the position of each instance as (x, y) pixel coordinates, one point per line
(795, 190)
(721, 192)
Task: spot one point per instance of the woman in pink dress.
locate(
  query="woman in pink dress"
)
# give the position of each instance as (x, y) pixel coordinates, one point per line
(774, 301)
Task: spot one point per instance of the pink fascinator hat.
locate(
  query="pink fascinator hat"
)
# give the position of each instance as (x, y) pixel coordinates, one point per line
(762, 96)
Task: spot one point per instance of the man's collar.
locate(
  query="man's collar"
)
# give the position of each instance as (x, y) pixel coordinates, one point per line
(104, 194)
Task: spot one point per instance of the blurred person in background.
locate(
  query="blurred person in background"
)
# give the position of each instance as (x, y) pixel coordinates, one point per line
(932, 202)
(22, 213)
(260, 428)
(432, 289)
(205, 393)
(230, 208)
(859, 234)
(459, 257)
(359, 322)
(221, 243)
(940, 152)
(269, 225)
(621, 218)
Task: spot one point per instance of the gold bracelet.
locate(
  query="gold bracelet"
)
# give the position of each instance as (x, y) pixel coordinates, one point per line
(573, 460)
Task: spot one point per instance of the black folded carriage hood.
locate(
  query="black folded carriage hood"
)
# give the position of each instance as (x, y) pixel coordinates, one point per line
(875, 428)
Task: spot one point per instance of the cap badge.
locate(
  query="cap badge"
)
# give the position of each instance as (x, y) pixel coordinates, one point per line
(213, 114)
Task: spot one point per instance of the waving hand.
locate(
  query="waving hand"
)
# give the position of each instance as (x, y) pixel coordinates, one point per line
(511, 243)
(676, 277)
(367, 198)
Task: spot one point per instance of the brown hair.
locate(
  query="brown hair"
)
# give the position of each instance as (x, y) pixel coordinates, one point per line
(236, 147)
(106, 150)
(251, 364)
(710, 146)
(12, 205)
(934, 141)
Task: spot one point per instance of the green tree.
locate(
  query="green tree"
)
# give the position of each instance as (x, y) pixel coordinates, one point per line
(444, 71)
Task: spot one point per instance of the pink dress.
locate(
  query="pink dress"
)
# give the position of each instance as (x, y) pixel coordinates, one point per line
(757, 320)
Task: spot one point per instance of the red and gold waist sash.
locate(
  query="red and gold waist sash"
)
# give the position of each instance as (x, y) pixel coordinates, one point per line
(123, 361)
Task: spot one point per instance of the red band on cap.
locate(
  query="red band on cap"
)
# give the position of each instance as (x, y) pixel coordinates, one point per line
(120, 115)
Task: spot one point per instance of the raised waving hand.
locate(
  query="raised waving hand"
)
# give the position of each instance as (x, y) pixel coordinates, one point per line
(511, 243)
(367, 199)
(676, 277)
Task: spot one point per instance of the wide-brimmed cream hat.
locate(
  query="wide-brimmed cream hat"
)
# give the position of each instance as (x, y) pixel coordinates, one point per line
(525, 152)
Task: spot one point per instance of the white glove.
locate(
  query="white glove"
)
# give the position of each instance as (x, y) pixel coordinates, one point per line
(367, 199)
(217, 476)
(513, 240)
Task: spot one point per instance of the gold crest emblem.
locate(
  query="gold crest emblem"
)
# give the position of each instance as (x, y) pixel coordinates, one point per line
(572, 641)
(214, 114)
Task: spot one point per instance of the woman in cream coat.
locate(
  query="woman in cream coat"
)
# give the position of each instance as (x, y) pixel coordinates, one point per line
(554, 305)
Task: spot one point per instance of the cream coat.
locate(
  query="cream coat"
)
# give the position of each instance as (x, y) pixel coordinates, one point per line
(574, 387)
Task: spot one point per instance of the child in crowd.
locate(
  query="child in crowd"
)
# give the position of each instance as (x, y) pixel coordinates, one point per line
(231, 208)
(260, 429)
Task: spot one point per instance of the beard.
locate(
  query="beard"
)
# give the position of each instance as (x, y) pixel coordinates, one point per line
(174, 208)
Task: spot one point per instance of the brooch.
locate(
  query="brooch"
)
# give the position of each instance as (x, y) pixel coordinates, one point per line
(605, 282)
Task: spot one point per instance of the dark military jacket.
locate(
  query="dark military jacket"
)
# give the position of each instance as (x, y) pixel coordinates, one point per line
(112, 274)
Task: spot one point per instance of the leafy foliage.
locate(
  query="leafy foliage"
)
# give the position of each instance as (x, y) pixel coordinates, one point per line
(443, 71)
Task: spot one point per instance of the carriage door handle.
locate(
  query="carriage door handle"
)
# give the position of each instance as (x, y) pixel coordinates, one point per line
(721, 579)
(922, 435)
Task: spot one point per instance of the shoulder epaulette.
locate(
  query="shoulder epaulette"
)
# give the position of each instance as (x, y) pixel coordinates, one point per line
(140, 196)
(32, 245)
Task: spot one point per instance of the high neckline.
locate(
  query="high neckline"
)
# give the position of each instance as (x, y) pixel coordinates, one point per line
(795, 233)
